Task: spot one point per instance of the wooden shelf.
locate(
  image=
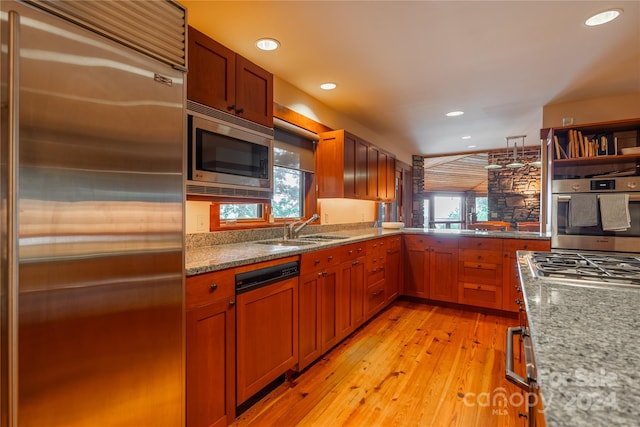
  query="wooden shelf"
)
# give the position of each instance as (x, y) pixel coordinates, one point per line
(598, 160)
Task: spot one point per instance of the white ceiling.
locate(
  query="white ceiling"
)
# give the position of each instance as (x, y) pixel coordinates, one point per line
(401, 65)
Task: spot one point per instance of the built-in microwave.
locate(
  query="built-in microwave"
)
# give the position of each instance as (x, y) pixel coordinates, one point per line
(228, 156)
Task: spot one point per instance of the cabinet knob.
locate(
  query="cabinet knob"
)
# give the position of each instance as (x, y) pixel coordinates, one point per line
(359, 249)
(232, 302)
(231, 107)
(479, 265)
(518, 301)
(479, 256)
(239, 110)
(213, 287)
(316, 261)
(330, 257)
(526, 246)
(350, 252)
(355, 263)
(479, 287)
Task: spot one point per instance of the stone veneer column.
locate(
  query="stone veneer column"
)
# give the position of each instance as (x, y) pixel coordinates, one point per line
(417, 210)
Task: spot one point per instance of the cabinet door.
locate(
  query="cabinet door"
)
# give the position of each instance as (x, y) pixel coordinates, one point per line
(327, 291)
(308, 325)
(392, 274)
(330, 164)
(254, 92)
(362, 156)
(416, 268)
(372, 173)
(212, 75)
(267, 336)
(443, 273)
(382, 176)
(210, 364)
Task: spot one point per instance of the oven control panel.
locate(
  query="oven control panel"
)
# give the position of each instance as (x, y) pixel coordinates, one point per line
(603, 184)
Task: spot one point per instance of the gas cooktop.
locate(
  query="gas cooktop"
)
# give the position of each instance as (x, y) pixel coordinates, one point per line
(591, 267)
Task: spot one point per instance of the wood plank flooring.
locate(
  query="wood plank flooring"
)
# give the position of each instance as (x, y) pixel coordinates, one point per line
(413, 365)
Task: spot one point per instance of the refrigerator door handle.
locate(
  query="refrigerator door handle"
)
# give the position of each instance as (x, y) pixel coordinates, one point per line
(12, 213)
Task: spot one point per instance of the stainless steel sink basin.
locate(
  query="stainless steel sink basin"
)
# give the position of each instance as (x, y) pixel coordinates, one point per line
(323, 237)
(292, 242)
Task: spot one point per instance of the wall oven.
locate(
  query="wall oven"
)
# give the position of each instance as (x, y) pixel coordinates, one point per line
(585, 216)
(228, 156)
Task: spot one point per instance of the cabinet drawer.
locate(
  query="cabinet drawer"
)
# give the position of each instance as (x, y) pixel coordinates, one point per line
(480, 255)
(480, 295)
(352, 251)
(480, 243)
(318, 260)
(415, 243)
(375, 298)
(374, 269)
(513, 245)
(481, 272)
(205, 288)
(393, 242)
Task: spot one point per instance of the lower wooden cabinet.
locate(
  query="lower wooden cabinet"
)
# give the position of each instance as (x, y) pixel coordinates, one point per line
(210, 350)
(393, 274)
(375, 299)
(431, 267)
(511, 275)
(267, 335)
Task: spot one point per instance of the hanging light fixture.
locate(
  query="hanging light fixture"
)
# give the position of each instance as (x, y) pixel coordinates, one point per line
(515, 163)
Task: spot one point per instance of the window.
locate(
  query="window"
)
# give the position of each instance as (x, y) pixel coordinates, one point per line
(288, 193)
(240, 211)
(482, 209)
(444, 211)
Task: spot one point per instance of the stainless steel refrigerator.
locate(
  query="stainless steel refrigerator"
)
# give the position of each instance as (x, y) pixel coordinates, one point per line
(92, 137)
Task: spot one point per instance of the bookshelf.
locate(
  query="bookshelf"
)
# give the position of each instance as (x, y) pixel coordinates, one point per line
(584, 151)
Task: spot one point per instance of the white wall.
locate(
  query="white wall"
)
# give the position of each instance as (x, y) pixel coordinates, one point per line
(291, 97)
(593, 110)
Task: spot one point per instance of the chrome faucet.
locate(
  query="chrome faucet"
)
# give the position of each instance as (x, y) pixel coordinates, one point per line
(294, 231)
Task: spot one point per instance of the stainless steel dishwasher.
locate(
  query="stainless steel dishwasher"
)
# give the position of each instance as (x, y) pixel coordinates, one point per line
(266, 326)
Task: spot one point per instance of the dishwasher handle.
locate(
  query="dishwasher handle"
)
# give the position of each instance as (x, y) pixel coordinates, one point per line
(529, 383)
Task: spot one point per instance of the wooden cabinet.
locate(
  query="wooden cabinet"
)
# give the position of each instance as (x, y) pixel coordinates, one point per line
(224, 80)
(416, 266)
(480, 272)
(375, 273)
(511, 278)
(318, 291)
(351, 289)
(341, 165)
(431, 267)
(267, 335)
(210, 349)
(393, 277)
(350, 167)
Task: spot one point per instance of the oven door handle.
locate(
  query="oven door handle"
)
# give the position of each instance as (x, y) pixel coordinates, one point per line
(528, 383)
(633, 197)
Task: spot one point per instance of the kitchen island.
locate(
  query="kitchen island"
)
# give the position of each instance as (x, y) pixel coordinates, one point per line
(585, 340)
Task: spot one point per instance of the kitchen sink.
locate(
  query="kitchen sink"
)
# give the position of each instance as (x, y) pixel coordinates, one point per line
(323, 237)
(292, 242)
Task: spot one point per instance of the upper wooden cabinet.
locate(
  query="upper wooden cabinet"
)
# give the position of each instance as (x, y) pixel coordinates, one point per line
(350, 167)
(224, 80)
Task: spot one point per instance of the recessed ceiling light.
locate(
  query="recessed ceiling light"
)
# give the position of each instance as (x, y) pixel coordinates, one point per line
(454, 113)
(328, 86)
(471, 146)
(268, 44)
(603, 17)
(466, 137)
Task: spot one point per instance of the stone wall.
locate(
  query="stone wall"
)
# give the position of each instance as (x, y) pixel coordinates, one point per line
(514, 194)
(417, 210)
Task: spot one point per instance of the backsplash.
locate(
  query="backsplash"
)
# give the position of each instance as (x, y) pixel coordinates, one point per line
(198, 240)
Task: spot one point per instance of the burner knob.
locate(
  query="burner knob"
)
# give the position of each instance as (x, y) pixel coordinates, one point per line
(575, 187)
(631, 185)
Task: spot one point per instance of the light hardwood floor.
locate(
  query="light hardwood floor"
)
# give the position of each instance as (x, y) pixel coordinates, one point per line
(413, 365)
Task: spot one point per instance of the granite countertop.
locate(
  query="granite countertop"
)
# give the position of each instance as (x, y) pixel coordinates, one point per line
(205, 259)
(586, 342)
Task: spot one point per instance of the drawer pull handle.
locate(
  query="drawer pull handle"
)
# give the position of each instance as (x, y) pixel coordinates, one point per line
(527, 383)
(213, 287)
